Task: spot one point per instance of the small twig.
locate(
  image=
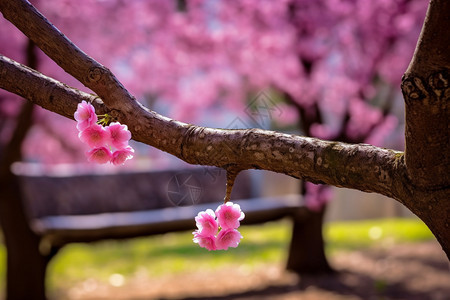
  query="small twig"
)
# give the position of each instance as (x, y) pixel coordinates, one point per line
(232, 173)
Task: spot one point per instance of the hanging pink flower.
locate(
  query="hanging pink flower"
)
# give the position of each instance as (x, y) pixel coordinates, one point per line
(205, 241)
(101, 139)
(228, 238)
(120, 156)
(95, 136)
(229, 215)
(206, 222)
(120, 135)
(219, 233)
(99, 155)
(85, 115)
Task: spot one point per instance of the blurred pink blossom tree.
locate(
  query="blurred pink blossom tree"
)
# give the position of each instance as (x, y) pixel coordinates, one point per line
(327, 59)
(333, 62)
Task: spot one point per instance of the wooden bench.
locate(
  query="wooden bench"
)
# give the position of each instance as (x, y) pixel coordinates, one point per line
(92, 207)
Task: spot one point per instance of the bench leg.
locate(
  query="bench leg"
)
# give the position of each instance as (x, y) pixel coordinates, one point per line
(26, 267)
(307, 252)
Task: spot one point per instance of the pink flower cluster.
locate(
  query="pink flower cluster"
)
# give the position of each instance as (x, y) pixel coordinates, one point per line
(109, 143)
(218, 231)
(317, 196)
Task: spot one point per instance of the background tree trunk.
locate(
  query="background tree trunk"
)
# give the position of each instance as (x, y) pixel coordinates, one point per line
(26, 266)
(307, 248)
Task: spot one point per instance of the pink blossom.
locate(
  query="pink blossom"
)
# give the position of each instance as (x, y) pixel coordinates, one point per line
(229, 215)
(205, 241)
(120, 135)
(206, 222)
(206, 235)
(120, 156)
(99, 155)
(228, 238)
(95, 136)
(317, 196)
(85, 115)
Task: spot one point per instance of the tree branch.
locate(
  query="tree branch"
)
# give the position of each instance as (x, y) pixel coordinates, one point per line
(67, 55)
(362, 167)
(426, 90)
(433, 47)
(44, 91)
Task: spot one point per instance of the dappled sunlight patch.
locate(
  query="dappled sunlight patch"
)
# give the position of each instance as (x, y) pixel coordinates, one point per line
(375, 233)
(116, 280)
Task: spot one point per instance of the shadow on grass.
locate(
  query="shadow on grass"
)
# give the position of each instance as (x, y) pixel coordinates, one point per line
(420, 273)
(344, 283)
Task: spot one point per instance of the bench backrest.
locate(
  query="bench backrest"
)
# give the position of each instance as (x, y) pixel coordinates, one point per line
(92, 193)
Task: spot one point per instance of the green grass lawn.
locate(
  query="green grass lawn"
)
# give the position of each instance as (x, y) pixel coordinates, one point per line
(176, 253)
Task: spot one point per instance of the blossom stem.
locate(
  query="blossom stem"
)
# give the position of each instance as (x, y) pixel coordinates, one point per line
(231, 177)
(104, 119)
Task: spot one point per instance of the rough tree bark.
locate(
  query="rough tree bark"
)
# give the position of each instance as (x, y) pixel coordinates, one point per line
(418, 178)
(426, 91)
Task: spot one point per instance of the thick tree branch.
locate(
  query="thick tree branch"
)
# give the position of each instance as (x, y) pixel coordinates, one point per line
(44, 91)
(426, 89)
(433, 47)
(67, 55)
(362, 167)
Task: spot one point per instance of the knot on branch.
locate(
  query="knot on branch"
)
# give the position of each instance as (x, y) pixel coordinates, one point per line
(192, 133)
(439, 82)
(413, 88)
(95, 74)
(118, 115)
(248, 140)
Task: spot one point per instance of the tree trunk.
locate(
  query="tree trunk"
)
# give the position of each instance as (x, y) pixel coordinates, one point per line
(26, 267)
(426, 91)
(307, 248)
(307, 252)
